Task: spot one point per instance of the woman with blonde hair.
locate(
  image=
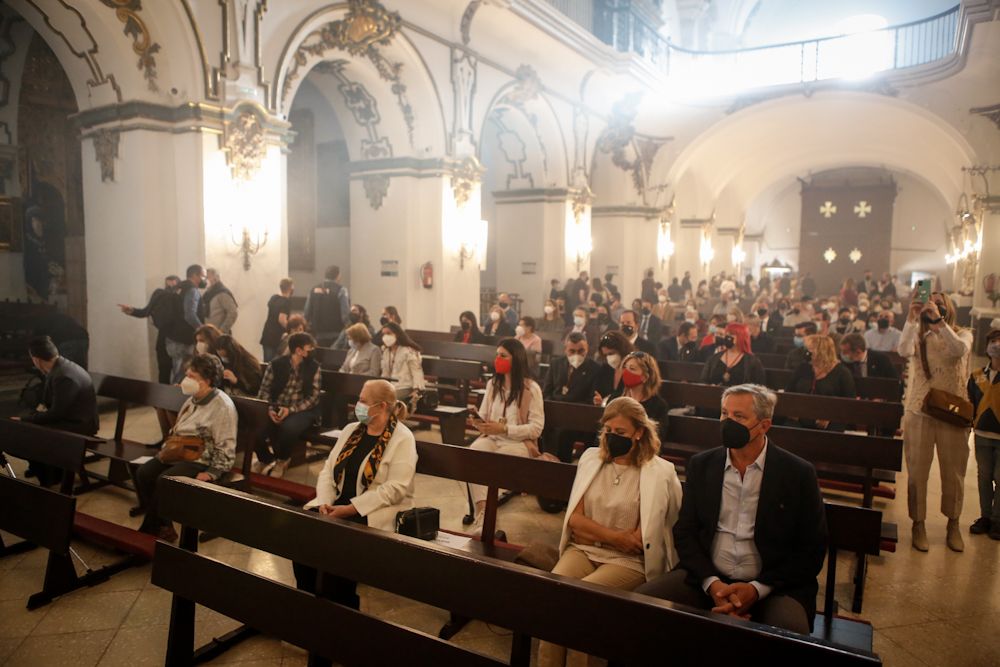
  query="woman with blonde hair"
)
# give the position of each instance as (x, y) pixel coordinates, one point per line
(824, 375)
(363, 357)
(623, 506)
(939, 354)
(367, 478)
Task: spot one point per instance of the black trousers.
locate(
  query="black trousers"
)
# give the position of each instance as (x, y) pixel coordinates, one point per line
(163, 361)
(146, 477)
(275, 441)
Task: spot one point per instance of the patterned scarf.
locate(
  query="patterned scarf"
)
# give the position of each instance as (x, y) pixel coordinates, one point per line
(374, 459)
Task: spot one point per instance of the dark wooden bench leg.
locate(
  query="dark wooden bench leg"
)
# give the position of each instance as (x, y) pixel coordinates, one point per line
(180, 638)
(859, 583)
(453, 626)
(220, 645)
(16, 548)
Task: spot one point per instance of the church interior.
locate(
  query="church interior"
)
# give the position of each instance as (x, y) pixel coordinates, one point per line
(652, 330)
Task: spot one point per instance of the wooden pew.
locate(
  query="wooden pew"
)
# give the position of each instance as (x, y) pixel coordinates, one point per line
(49, 518)
(871, 414)
(432, 574)
(777, 360)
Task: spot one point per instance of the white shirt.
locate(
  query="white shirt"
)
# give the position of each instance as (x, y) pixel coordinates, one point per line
(734, 552)
(883, 341)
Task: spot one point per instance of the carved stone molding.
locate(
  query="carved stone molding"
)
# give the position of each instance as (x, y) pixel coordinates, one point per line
(7, 48)
(990, 113)
(106, 152)
(244, 142)
(581, 201)
(367, 27)
(527, 88)
(879, 86)
(143, 45)
(470, 13)
(363, 107)
(376, 188)
(465, 179)
(619, 139)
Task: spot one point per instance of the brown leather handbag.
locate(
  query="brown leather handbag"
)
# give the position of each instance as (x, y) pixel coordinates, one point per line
(181, 449)
(949, 408)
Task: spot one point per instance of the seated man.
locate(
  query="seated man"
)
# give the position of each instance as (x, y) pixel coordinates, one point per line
(751, 536)
(865, 363)
(799, 355)
(291, 386)
(571, 379)
(68, 402)
(682, 347)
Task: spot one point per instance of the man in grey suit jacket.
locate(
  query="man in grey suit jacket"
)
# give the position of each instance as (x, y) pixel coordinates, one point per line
(751, 536)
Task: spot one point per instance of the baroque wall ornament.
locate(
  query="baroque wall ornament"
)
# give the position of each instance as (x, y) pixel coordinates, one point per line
(465, 179)
(581, 200)
(376, 188)
(629, 151)
(106, 152)
(244, 142)
(363, 107)
(127, 12)
(367, 27)
(990, 113)
(527, 88)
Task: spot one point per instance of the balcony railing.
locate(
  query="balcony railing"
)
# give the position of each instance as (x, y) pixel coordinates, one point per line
(630, 26)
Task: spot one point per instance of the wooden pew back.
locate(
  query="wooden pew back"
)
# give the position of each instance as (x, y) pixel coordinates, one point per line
(36, 514)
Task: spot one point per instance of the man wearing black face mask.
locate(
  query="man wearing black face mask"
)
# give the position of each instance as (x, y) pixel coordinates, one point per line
(650, 326)
(751, 536)
(884, 337)
(630, 327)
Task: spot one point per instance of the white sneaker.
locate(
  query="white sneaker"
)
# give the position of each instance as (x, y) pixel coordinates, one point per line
(256, 465)
(477, 523)
(278, 468)
(268, 467)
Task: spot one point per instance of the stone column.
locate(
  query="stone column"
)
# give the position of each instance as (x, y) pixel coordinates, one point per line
(625, 244)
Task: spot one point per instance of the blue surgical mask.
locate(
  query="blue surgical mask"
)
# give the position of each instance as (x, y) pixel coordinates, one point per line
(799, 341)
(361, 412)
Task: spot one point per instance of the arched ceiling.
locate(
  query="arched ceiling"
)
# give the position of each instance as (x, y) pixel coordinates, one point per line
(741, 156)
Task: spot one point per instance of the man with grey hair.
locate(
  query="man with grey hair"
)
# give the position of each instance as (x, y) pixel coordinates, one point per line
(751, 536)
(218, 305)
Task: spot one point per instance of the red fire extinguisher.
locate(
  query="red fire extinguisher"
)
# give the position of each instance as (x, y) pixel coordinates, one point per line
(427, 275)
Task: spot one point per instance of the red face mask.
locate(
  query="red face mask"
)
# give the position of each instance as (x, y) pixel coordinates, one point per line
(502, 365)
(631, 379)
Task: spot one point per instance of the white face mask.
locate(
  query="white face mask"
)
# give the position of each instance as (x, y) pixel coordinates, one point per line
(662, 298)
(993, 350)
(692, 320)
(579, 321)
(614, 360)
(201, 347)
(519, 330)
(495, 316)
(389, 340)
(575, 360)
(549, 310)
(189, 386)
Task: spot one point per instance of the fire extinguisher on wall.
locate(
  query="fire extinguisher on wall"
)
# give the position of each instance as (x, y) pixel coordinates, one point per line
(427, 275)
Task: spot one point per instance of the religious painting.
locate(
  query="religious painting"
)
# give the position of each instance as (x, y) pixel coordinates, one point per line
(10, 224)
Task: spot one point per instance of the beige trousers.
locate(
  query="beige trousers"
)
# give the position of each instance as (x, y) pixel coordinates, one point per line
(488, 444)
(574, 563)
(921, 436)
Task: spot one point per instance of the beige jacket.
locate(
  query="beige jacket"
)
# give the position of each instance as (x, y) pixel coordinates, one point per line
(948, 354)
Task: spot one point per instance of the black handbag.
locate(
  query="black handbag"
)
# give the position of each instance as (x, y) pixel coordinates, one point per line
(419, 522)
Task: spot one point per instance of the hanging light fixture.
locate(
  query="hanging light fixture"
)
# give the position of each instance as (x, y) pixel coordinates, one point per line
(664, 246)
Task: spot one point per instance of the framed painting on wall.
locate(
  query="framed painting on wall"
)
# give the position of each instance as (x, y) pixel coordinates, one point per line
(10, 224)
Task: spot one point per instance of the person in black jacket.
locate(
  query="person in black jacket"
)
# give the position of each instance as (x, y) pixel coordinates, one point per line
(279, 309)
(69, 402)
(161, 309)
(865, 363)
(764, 570)
(69, 336)
(571, 379)
(984, 393)
(760, 341)
(328, 308)
(683, 346)
(822, 375)
(470, 332)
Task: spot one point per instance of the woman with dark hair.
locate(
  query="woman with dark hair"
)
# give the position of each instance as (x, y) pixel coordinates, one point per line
(358, 315)
(512, 414)
(612, 348)
(205, 338)
(735, 363)
(641, 381)
(296, 324)
(389, 314)
(242, 373)
(208, 414)
(279, 308)
(470, 332)
(401, 361)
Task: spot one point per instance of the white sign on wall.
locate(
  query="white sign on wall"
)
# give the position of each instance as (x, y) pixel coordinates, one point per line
(529, 268)
(390, 268)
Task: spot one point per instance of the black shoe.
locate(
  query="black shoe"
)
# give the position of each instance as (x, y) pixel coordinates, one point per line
(995, 533)
(29, 472)
(980, 526)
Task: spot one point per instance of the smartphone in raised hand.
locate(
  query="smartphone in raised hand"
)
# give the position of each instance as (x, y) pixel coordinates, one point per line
(923, 290)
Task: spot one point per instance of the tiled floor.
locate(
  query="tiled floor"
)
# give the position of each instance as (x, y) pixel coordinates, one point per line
(938, 608)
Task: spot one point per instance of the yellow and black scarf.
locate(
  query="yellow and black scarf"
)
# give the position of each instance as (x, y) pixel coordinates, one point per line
(374, 459)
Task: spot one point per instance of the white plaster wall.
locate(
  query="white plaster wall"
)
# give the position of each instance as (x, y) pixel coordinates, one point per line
(333, 246)
(628, 242)
(532, 232)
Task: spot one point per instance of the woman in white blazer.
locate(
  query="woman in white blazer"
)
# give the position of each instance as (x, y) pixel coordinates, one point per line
(367, 479)
(625, 500)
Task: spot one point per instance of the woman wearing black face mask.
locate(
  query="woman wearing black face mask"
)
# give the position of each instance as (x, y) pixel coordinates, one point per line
(614, 535)
(358, 315)
(823, 375)
(736, 363)
(469, 331)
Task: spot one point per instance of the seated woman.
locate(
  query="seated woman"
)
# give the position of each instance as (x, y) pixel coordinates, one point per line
(497, 325)
(291, 387)
(512, 414)
(551, 320)
(363, 358)
(359, 315)
(389, 314)
(205, 338)
(614, 535)
(824, 375)
(612, 348)
(641, 382)
(242, 374)
(208, 414)
(525, 334)
(470, 332)
(367, 478)
(401, 362)
(736, 363)
(296, 324)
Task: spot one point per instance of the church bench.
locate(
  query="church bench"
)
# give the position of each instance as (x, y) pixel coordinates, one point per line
(776, 360)
(50, 518)
(872, 414)
(431, 574)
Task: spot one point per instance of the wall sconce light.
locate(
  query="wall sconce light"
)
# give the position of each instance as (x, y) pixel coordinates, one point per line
(473, 244)
(664, 246)
(706, 252)
(855, 256)
(830, 255)
(248, 247)
(578, 239)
